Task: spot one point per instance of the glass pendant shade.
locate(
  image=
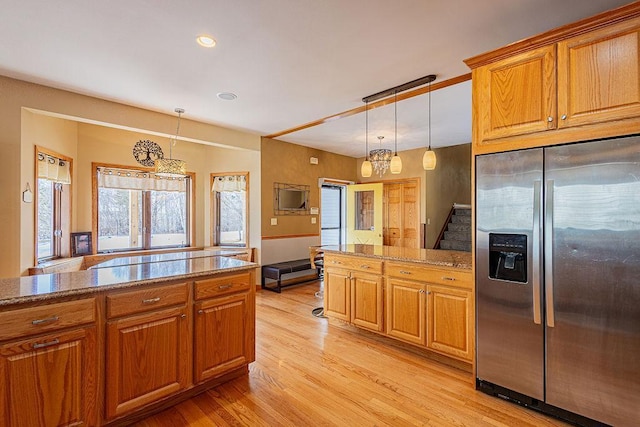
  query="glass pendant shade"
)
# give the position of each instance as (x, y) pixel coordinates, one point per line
(366, 169)
(429, 160)
(396, 165)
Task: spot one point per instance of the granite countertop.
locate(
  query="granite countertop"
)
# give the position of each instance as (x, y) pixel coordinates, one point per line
(46, 286)
(172, 256)
(435, 257)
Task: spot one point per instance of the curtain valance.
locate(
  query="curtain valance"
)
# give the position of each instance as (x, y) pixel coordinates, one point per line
(53, 169)
(230, 183)
(129, 179)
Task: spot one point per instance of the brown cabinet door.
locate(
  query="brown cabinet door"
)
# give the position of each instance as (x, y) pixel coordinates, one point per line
(222, 341)
(366, 301)
(599, 75)
(147, 359)
(337, 294)
(49, 380)
(516, 95)
(406, 311)
(449, 321)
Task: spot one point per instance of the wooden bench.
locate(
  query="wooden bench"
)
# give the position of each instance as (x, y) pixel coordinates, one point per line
(276, 271)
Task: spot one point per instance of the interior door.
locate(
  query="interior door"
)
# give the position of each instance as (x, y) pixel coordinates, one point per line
(364, 214)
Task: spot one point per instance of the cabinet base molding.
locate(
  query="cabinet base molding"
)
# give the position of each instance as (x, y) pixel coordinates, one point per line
(420, 351)
(173, 400)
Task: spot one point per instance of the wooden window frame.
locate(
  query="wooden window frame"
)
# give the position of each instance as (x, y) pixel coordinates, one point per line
(191, 198)
(215, 209)
(62, 216)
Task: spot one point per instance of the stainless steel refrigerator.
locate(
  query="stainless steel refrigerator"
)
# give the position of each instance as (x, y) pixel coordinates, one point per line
(558, 279)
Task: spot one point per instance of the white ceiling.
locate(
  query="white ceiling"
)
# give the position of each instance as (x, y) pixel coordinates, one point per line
(289, 61)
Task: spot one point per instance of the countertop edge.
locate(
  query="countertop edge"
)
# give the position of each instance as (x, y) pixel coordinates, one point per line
(430, 262)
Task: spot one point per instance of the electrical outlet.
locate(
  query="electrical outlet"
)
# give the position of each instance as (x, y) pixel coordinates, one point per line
(313, 220)
(274, 221)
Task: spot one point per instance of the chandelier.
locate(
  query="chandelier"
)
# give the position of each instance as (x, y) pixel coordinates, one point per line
(172, 168)
(380, 158)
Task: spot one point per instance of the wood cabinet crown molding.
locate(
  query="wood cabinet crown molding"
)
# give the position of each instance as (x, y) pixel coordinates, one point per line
(556, 35)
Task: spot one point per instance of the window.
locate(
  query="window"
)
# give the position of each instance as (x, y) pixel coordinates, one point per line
(229, 201)
(53, 204)
(331, 218)
(138, 210)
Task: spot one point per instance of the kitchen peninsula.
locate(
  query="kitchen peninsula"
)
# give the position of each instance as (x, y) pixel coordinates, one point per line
(422, 297)
(105, 345)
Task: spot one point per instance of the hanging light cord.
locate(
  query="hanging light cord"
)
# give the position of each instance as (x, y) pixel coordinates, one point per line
(429, 116)
(175, 138)
(366, 136)
(395, 111)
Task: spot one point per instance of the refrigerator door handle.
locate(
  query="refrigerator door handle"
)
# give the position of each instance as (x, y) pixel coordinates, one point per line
(548, 253)
(537, 237)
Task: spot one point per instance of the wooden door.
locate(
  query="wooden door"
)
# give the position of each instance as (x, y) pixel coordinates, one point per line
(516, 95)
(401, 220)
(406, 311)
(599, 75)
(411, 214)
(364, 214)
(221, 338)
(392, 229)
(147, 359)
(337, 294)
(366, 301)
(49, 380)
(449, 321)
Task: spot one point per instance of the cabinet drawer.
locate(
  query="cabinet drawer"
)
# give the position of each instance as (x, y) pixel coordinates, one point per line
(442, 276)
(34, 320)
(369, 265)
(222, 285)
(124, 303)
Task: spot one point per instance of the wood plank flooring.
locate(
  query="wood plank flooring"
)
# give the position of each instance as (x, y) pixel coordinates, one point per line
(310, 373)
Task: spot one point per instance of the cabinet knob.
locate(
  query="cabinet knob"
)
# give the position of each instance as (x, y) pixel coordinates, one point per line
(183, 316)
(422, 291)
(549, 119)
(448, 278)
(200, 311)
(404, 272)
(46, 344)
(365, 266)
(564, 117)
(151, 300)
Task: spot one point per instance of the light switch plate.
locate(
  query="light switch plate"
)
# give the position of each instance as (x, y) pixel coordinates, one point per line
(313, 220)
(274, 221)
(313, 211)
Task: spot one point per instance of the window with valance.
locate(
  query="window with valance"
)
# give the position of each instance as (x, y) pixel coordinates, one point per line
(229, 201)
(140, 210)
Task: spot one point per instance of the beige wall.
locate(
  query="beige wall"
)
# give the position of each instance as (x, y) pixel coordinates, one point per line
(17, 142)
(289, 163)
(449, 183)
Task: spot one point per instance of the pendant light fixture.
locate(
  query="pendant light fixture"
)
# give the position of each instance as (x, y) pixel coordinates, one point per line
(429, 158)
(367, 168)
(172, 168)
(396, 162)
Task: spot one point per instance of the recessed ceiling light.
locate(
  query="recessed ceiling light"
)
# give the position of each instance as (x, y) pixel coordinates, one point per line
(206, 40)
(227, 96)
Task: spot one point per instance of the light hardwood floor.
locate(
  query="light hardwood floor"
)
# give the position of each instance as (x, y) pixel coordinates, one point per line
(310, 373)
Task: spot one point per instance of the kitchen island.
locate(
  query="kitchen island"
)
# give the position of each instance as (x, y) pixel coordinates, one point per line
(422, 297)
(108, 345)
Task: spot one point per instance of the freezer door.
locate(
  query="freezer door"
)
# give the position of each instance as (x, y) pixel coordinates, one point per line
(592, 244)
(510, 340)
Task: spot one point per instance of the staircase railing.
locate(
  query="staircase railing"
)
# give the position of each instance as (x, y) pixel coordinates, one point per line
(444, 227)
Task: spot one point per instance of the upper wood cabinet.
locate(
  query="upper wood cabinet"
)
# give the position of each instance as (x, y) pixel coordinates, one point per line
(516, 95)
(568, 85)
(599, 75)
